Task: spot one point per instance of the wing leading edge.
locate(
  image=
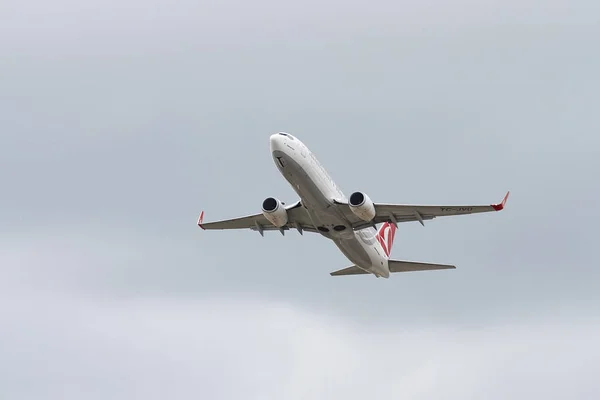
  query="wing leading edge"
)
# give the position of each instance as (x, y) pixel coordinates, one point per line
(408, 213)
(297, 218)
(394, 213)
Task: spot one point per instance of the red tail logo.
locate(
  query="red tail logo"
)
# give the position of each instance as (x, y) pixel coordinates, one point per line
(385, 235)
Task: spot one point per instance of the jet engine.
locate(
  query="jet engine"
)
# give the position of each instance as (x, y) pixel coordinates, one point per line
(362, 206)
(274, 211)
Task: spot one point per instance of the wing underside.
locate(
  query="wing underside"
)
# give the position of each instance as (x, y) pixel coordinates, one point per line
(297, 219)
(396, 213)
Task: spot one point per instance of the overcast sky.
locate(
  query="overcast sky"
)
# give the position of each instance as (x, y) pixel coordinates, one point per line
(121, 120)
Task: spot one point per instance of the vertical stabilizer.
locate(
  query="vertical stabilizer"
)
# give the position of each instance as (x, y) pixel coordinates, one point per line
(385, 236)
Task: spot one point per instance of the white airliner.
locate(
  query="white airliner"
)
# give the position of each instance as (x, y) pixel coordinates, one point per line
(350, 223)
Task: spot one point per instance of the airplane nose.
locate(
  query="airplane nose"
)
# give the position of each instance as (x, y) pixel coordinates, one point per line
(275, 142)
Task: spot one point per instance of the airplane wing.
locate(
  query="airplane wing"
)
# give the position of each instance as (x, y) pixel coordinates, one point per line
(407, 213)
(297, 218)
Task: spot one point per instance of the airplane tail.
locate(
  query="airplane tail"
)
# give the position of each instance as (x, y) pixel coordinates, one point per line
(385, 235)
(395, 266)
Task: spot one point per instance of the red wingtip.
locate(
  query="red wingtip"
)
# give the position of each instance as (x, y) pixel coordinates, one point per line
(500, 206)
(200, 218)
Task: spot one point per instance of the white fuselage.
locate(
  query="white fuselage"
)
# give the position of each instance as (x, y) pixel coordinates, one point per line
(317, 192)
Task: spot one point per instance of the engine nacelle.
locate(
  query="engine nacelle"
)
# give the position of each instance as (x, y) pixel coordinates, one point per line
(274, 211)
(362, 206)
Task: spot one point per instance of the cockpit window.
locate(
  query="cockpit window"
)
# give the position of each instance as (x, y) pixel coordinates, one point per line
(286, 134)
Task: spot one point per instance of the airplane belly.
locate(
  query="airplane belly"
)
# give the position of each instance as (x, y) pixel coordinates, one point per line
(314, 195)
(364, 254)
(304, 185)
(354, 252)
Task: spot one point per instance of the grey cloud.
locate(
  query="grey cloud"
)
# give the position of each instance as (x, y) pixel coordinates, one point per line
(121, 122)
(227, 348)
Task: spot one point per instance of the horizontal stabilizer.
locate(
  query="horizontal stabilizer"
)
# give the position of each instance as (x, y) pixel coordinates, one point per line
(407, 266)
(395, 266)
(353, 270)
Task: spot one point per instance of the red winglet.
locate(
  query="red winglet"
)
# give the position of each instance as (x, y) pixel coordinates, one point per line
(500, 206)
(200, 218)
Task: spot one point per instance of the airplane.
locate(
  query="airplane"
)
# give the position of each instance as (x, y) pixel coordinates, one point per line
(351, 223)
